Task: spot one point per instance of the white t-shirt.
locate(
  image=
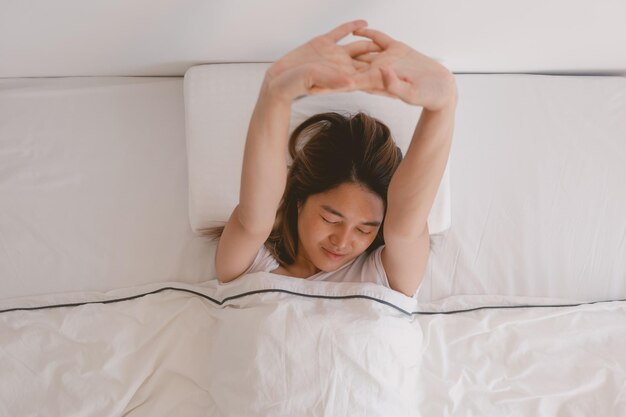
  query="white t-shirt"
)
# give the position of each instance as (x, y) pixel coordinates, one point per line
(363, 268)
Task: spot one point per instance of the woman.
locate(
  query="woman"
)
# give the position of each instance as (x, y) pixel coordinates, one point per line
(349, 208)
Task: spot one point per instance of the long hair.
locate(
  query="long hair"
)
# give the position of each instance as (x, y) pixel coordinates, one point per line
(340, 149)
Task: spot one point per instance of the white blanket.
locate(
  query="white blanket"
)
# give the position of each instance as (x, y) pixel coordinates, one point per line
(267, 345)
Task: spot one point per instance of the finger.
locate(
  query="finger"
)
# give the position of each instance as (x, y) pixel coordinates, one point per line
(382, 39)
(325, 79)
(393, 84)
(345, 29)
(360, 66)
(361, 47)
(369, 58)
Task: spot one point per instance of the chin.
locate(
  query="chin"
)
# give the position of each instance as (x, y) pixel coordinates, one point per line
(329, 268)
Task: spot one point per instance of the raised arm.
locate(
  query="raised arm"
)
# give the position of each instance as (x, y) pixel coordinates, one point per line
(418, 80)
(317, 67)
(264, 169)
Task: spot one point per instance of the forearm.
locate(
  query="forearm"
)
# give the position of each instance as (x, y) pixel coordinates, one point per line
(415, 183)
(264, 170)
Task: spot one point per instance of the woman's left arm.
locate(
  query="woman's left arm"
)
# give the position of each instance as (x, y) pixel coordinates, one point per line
(418, 80)
(415, 183)
(410, 197)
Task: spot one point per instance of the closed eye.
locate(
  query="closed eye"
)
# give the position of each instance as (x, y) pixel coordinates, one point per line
(329, 222)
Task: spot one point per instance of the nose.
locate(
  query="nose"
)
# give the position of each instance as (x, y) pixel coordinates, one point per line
(340, 239)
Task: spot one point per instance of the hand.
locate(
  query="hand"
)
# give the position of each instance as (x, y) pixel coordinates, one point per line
(400, 71)
(320, 65)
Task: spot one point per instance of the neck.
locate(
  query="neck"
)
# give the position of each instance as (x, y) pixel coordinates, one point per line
(302, 268)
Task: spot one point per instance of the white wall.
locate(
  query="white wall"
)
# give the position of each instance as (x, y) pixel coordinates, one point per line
(165, 37)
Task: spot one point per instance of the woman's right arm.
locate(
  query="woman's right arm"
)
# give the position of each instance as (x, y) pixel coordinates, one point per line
(263, 179)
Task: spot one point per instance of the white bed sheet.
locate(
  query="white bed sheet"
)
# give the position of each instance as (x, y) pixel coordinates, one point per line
(538, 174)
(266, 345)
(93, 188)
(538, 201)
(93, 185)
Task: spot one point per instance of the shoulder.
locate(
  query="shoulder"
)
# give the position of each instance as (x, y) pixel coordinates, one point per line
(373, 262)
(371, 268)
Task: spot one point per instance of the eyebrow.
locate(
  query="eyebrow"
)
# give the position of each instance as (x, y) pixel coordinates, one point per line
(336, 213)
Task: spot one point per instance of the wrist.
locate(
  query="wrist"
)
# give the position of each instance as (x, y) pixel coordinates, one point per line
(448, 95)
(270, 105)
(270, 93)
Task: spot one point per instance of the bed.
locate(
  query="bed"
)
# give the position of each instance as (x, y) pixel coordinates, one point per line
(109, 303)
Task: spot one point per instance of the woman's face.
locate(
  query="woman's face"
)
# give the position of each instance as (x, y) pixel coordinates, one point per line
(337, 225)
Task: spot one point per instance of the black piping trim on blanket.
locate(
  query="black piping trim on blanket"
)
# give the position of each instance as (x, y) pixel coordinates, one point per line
(330, 297)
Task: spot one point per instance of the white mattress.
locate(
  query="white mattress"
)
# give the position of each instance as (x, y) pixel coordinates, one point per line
(93, 196)
(538, 173)
(93, 188)
(93, 185)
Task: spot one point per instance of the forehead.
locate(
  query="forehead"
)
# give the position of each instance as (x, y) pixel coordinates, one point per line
(351, 200)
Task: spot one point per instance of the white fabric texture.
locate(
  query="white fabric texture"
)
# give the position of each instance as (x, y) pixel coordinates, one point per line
(363, 268)
(538, 165)
(536, 178)
(266, 345)
(93, 185)
(219, 100)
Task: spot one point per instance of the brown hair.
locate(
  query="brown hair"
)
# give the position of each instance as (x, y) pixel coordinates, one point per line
(341, 149)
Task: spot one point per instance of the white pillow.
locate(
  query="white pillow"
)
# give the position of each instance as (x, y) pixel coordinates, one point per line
(219, 100)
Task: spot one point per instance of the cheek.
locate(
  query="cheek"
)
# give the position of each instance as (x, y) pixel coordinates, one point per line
(368, 240)
(311, 229)
(361, 241)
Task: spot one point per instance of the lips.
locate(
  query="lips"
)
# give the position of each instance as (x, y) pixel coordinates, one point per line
(333, 255)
